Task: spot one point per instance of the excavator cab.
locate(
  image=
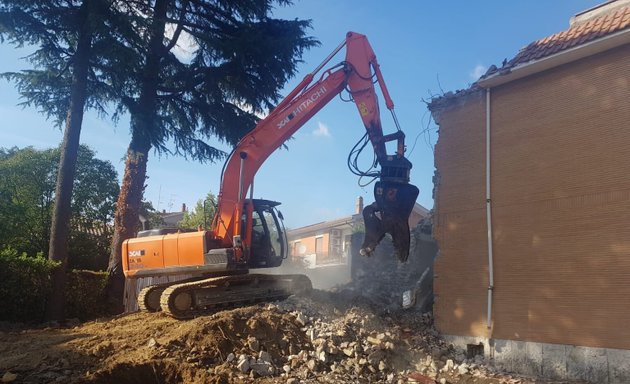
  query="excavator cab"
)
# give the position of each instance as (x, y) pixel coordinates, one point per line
(268, 243)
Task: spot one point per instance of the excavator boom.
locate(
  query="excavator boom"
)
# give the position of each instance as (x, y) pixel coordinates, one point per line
(394, 196)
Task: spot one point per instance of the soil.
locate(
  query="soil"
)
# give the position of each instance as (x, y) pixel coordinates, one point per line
(334, 337)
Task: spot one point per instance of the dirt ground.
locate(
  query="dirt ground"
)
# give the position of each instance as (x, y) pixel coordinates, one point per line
(334, 337)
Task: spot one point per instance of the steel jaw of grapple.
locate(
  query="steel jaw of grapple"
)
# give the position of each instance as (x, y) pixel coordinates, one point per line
(389, 214)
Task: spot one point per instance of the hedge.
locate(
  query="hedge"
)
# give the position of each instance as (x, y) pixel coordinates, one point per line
(25, 286)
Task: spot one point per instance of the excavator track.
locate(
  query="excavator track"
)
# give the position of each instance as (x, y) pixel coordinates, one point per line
(198, 298)
(149, 297)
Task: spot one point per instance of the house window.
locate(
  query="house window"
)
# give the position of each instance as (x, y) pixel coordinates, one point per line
(319, 244)
(296, 248)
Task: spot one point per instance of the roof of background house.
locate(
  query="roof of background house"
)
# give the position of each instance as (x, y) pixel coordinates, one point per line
(323, 226)
(348, 220)
(592, 25)
(171, 219)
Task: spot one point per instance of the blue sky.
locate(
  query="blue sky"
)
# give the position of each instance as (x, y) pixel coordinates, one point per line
(423, 47)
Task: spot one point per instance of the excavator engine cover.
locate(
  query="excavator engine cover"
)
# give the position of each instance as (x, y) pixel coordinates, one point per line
(389, 214)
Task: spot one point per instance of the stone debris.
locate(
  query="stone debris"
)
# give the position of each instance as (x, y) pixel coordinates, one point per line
(301, 319)
(356, 333)
(254, 345)
(8, 377)
(243, 363)
(352, 343)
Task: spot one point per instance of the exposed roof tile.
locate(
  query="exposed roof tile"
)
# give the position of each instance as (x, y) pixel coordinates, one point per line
(579, 33)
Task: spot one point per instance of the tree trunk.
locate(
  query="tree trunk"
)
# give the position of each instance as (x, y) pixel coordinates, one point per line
(58, 246)
(143, 126)
(126, 219)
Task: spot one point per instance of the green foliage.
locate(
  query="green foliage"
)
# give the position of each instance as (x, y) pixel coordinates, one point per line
(85, 295)
(27, 185)
(89, 247)
(240, 57)
(25, 285)
(95, 188)
(150, 215)
(201, 215)
(54, 29)
(27, 189)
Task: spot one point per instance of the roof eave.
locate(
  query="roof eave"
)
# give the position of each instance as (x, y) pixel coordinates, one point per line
(572, 54)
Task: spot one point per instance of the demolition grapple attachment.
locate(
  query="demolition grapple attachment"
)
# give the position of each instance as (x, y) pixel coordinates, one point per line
(395, 199)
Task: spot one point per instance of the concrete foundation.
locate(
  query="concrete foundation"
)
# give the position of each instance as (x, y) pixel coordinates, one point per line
(552, 361)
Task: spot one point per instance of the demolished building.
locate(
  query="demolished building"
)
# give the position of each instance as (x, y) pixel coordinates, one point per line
(532, 205)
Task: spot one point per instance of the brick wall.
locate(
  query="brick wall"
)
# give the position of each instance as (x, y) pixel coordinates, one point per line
(560, 184)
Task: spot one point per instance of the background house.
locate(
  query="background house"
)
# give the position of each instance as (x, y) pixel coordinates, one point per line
(329, 242)
(328, 253)
(172, 219)
(532, 205)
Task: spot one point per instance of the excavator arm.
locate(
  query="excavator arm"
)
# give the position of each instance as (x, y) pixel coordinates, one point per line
(394, 195)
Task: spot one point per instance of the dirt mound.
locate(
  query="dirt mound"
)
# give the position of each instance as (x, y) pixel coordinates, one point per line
(132, 348)
(328, 337)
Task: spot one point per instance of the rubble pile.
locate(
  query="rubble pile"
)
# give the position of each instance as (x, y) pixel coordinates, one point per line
(356, 333)
(383, 281)
(349, 343)
(329, 337)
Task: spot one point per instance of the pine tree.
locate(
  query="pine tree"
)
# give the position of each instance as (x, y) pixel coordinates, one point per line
(63, 84)
(242, 57)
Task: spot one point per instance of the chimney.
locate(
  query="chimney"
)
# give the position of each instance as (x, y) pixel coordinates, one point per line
(358, 207)
(183, 207)
(598, 10)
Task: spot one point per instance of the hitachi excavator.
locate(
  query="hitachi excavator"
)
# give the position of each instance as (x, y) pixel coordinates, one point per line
(248, 233)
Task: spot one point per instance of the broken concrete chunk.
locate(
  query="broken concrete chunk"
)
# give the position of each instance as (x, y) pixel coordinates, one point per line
(263, 369)
(9, 377)
(243, 365)
(264, 356)
(301, 319)
(448, 366)
(253, 343)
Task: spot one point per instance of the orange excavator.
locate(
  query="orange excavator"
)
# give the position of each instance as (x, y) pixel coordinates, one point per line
(248, 233)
